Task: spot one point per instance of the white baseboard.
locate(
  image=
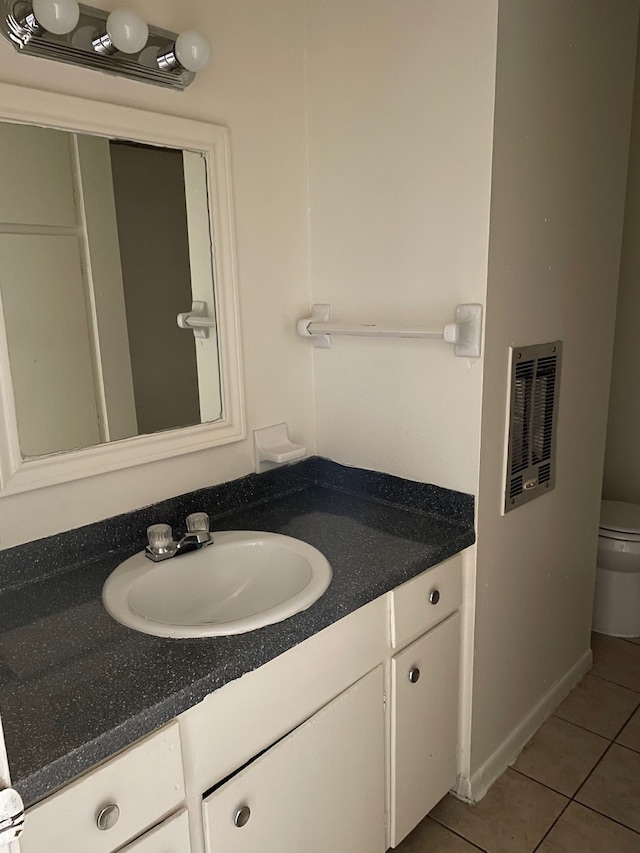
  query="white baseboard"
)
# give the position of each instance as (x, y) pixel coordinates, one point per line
(474, 788)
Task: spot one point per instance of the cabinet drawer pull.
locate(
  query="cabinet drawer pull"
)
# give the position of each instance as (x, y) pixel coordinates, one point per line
(434, 596)
(241, 817)
(414, 674)
(107, 817)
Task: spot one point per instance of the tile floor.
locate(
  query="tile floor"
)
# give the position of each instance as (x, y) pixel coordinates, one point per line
(576, 786)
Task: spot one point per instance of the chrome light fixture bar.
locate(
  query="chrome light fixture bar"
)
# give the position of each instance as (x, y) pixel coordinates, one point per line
(116, 42)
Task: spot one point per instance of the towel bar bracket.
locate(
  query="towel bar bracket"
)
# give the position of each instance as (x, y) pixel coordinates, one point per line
(320, 313)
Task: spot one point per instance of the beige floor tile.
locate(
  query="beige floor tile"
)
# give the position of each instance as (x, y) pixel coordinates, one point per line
(613, 789)
(429, 837)
(512, 818)
(561, 755)
(616, 660)
(580, 830)
(630, 734)
(598, 705)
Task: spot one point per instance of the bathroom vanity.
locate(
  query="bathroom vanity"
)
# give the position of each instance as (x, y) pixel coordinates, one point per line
(309, 752)
(336, 729)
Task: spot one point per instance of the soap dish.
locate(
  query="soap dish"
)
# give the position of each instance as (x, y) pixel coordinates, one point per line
(272, 447)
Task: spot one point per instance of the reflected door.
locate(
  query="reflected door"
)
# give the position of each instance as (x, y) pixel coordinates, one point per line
(43, 293)
(202, 284)
(162, 210)
(104, 289)
(148, 186)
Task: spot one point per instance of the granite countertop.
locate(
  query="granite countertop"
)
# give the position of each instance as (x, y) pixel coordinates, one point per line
(76, 686)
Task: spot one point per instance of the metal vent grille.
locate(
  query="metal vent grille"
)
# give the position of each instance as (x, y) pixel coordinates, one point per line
(535, 380)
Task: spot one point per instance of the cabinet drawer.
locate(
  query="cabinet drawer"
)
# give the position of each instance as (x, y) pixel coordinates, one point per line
(421, 603)
(172, 836)
(145, 782)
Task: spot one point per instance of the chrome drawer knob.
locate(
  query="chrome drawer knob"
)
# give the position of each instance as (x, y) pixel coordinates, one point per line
(434, 596)
(414, 674)
(107, 817)
(241, 817)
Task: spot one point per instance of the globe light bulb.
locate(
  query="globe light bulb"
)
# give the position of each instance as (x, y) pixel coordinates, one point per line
(56, 16)
(127, 31)
(192, 50)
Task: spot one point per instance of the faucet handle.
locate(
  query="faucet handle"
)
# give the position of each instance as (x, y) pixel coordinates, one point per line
(161, 543)
(160, 536)
(198, 522)
(198, 527)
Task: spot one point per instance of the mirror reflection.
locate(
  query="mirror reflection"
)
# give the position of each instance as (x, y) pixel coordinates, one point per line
(102, 243)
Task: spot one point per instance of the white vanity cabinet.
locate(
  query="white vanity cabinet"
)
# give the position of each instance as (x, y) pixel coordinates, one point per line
(308, 752)
(425, 694)
(319, 789)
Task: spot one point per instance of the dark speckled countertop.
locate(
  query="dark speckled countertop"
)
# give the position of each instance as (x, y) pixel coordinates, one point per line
(75, 686)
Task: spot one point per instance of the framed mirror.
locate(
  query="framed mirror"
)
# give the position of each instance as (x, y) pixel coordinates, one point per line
(112, 223)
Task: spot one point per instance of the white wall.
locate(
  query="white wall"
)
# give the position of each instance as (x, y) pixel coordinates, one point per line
(563, 97)
(400, 128)
(254, 86)
(622, 458)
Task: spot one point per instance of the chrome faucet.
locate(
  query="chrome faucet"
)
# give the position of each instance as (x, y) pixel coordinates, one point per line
(162, 545)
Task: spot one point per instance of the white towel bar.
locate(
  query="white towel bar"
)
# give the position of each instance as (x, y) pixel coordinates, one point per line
(465, 333)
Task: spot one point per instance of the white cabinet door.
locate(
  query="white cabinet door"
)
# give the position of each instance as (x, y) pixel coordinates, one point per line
(319, 790)
(424, 725)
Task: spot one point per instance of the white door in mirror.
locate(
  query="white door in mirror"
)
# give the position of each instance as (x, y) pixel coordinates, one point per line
(245, 580)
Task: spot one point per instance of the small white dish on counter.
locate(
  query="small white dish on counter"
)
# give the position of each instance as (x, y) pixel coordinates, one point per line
(245, 580)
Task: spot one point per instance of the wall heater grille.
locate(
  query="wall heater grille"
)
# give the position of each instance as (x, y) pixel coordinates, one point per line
(535, 383)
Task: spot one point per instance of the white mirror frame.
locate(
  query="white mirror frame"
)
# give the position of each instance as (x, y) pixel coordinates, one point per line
(27, 106)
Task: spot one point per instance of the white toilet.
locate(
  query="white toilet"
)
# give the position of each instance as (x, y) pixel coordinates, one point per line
(616, 606)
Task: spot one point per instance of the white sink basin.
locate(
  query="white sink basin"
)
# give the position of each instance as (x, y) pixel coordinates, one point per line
(245, 580)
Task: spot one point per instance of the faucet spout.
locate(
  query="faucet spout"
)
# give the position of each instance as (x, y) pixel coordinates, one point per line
(192, 542)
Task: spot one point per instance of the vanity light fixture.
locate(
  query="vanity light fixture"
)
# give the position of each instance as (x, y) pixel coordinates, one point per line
(119, 42)
(54, 16)
(190, 50)
(126, 31)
